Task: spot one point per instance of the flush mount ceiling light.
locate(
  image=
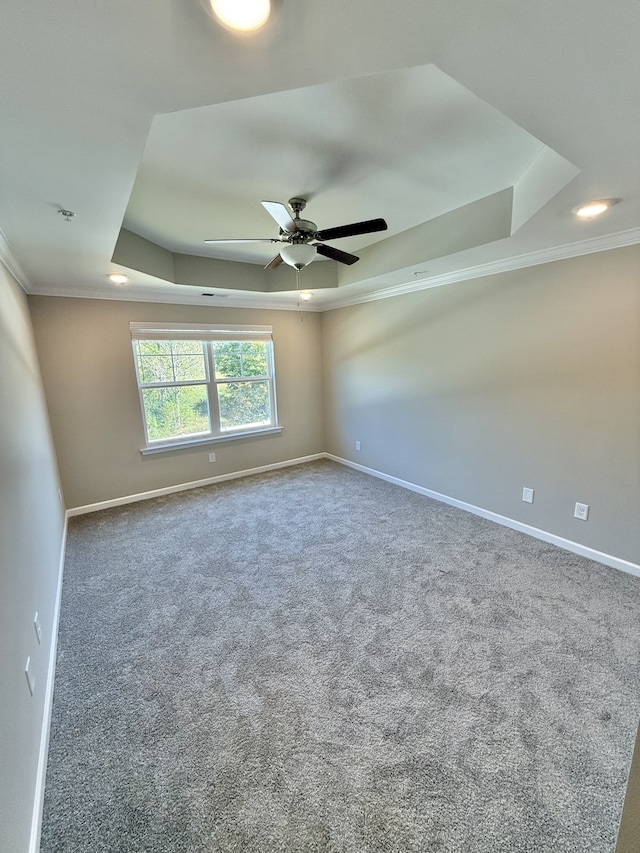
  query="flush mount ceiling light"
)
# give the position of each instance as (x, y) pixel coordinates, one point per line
(305, 295)
(245, 16)
(594, 208)
(117, 278)
(297, 255)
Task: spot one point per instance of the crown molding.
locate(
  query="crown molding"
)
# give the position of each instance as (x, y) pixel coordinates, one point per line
(12, 264)
(174, 296)
(242, 299)
(542, 256)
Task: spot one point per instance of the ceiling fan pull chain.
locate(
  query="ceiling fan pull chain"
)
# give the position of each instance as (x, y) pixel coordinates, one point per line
(298, 290)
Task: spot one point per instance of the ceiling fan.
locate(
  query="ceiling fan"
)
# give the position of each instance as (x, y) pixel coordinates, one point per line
(300, 238)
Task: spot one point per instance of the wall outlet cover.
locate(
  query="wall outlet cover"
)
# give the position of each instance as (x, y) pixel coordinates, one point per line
(527, 495)
(581, 511)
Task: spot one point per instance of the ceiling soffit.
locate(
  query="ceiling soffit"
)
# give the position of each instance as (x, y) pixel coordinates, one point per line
(446, 170)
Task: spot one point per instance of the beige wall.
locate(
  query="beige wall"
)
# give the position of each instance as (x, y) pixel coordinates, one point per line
(85, 351)
(31, 535)
(474, 390)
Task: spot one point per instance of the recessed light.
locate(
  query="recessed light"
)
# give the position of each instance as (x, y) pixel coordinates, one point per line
(117, 278)
(594, 208)
(243, 15)
(306, 295)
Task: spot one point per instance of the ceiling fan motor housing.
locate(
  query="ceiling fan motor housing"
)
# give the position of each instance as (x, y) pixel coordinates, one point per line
(305, 231)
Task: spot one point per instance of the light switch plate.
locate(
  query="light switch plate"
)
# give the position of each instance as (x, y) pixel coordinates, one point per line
(31, 679)
(37, 626)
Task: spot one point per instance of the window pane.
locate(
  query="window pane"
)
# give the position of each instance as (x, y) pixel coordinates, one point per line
(171, 361)
(153, 347)
(244, 404)
(189, 367)
(176, 412)
(240, 358)
(154, 361)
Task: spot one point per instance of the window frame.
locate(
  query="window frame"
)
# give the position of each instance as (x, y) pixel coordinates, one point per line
(208, 336)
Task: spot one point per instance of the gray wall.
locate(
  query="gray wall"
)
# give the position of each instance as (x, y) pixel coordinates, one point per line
(31, 536)
(474, 390)
(87, 364)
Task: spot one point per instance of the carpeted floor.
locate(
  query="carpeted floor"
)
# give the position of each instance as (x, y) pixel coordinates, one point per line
(314, 660)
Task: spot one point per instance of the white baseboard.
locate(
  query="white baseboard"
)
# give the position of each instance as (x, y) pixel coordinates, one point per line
(38, 798)
(183, 487)
(567, 544)
(552, 538)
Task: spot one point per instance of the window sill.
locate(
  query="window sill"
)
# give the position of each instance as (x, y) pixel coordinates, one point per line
(216, 439)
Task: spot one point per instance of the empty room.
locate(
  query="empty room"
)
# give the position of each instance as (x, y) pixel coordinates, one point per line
(320, 407)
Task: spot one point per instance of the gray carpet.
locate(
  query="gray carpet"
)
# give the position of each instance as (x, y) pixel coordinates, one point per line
(316, 660)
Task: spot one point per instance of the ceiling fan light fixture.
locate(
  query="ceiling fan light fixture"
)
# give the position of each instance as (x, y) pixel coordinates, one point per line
(242, 15)
(298, 255)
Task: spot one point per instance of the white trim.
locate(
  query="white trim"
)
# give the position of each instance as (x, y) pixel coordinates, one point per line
(12, 264)
(561, 542)
(211, 439)
(38, 799)
(179, 294)
(531, 259)
(196, 484)
(199, 332)
(551, 538)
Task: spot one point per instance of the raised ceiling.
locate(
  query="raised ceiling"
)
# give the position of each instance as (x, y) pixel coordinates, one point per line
(473, 129)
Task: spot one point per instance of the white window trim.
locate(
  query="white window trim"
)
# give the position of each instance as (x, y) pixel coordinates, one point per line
(151, 449)
(198, 332)
(207, 334)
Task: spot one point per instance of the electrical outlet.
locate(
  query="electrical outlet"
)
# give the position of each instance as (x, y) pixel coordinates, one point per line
(357, 445)
(527, 495)
(581, 511)
(38, 627)
(212, 457)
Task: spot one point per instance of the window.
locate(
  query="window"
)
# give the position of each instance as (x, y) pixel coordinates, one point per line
(203, 383)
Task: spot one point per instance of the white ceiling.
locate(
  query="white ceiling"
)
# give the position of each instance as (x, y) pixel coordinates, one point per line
(149, 117)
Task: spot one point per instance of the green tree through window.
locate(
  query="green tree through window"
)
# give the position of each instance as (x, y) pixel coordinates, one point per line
(198, 389)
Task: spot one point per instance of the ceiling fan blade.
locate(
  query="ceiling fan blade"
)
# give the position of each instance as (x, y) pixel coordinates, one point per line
(274, 263)
(366, 227)
(281, 215)
(335, 254)
(248, 240)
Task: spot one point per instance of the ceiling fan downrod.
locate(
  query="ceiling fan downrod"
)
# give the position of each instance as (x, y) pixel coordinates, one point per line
(305, 229)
